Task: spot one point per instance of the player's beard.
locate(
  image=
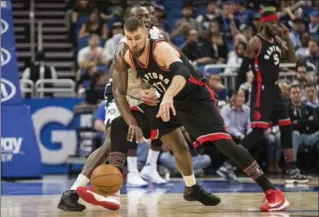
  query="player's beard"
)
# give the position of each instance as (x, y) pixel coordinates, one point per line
(138, 53)
(270, 33)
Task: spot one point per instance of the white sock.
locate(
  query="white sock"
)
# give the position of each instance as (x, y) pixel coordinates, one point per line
(116, 196)
(132, 164)
(190, 180)
(82, 180)
(152, 158)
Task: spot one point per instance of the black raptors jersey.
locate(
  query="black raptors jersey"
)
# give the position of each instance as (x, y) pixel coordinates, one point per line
(266, 64)
(160, 78)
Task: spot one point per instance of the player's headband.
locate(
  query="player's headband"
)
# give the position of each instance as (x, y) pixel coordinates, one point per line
(271, 17)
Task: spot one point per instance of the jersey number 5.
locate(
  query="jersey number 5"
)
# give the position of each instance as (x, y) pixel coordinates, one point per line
(276, 59)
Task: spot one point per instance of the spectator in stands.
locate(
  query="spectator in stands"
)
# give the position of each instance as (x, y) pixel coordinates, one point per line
(200, 162)
(302, 74)
(314, 25)
(77, 9)
(311, 94)
(299, 28)
(302, 52)
(246, 31)
(160, 17)
(108, 8)
(187, 22)
(95, 25)
(92, 57)
(214, 27)
(228, 23)
(247, 86)
(196, 51)
(284, 87)
(305, 121)
(243, 14)
(211, 13)
(313, 53)
(237, 117)
(256, 24)
(39, 70)
(219, 48)
(95, 93)
(111, 43)
(235, 58)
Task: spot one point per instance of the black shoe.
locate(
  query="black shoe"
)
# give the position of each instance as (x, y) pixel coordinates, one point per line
(69, 201)
(197, 193)
(295, 176)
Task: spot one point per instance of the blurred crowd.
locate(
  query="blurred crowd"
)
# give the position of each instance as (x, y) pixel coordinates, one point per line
(208, 32)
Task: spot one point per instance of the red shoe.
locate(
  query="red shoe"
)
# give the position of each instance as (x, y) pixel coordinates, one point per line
(88, 195)
(276, 201)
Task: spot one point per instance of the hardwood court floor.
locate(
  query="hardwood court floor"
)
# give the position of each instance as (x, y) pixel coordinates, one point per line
(40, 198)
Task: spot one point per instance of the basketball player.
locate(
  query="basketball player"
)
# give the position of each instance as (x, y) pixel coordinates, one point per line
(264, 54)
(69, 200)
(184, 101)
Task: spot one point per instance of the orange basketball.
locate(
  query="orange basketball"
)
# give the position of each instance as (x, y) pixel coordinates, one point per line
(106, 179)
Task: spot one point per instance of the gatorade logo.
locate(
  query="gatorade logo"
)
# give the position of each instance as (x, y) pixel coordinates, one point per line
(4, 26)
(7, 90)
(5, 56)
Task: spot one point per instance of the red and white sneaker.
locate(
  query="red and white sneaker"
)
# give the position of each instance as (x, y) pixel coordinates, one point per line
(276, 201)
(88, 195)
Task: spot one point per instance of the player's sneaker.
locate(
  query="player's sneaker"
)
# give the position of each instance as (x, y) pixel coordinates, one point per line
(150, 173)
(295, 176)
(134, 179)
(89, 196)
(227, 172)
(276, 201)
(69, 201)
(197, 193)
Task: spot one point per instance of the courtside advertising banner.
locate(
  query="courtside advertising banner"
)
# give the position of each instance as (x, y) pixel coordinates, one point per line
(10, 88)
(20, 156)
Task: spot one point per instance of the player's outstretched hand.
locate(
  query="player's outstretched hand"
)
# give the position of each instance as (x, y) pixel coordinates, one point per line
(134, 131)
(149, 96)
(166, 106)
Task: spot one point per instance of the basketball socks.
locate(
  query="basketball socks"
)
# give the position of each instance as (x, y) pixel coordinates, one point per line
(132, 164)
(152, 158)
(82, 180)
(189, 180)
(256, 173)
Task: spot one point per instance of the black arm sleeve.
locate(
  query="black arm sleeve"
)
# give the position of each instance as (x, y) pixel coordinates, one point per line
(179, 68)
(244, 68)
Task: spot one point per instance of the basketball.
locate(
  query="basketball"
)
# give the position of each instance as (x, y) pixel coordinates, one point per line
(106, 179)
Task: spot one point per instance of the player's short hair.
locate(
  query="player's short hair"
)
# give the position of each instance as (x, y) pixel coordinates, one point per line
(310, 84)
(132, 24)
